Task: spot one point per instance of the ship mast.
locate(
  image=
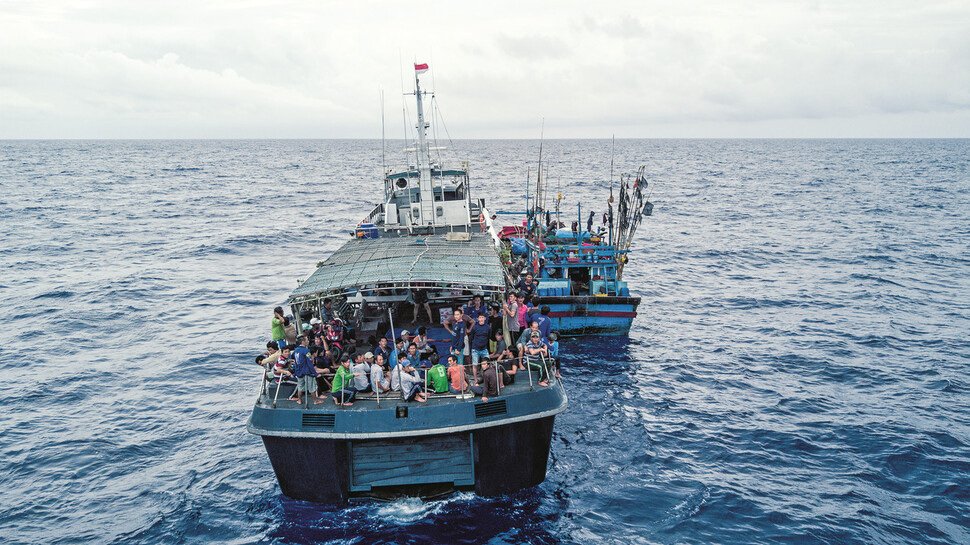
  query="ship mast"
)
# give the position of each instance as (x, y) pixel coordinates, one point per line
(425, 184)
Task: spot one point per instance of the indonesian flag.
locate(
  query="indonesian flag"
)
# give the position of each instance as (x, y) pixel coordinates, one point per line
(420, 68)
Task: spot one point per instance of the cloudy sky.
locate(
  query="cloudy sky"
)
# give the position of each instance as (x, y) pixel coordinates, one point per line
(316, 69)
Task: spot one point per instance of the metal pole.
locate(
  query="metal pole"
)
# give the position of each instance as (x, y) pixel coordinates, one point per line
(279, 383)
(498, 380)
(528, 367)
(579, 225)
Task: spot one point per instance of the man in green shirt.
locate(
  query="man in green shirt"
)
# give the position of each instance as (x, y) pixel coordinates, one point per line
(439, 378)
(279, 332)
(343, 390)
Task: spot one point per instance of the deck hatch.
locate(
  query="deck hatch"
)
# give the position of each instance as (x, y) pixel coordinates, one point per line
(318, 420)
(492, 408)
(420, 460)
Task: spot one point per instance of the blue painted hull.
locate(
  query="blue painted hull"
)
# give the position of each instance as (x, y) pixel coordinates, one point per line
(574, 315)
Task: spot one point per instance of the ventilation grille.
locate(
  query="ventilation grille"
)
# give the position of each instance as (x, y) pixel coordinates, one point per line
(311, 420)
(492, 408)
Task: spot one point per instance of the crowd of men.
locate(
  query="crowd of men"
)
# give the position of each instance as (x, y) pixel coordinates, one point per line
(479, 360)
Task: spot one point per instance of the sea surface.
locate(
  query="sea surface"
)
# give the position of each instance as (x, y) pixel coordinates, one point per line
(799, 371)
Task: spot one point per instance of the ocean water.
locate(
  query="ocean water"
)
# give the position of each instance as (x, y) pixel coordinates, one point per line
(797, 373)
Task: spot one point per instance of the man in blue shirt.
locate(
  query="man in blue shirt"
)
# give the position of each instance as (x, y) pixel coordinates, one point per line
(545, 323)
(306, 373)
(528, 286)
(456, 327)
(475, 308)
(478, 337)
(382, 349)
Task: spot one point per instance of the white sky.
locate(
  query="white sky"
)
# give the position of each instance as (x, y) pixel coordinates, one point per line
(636, 69)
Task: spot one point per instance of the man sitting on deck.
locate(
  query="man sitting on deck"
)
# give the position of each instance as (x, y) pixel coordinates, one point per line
(534, 350)
(382, 349)
(502, 352)
(422, 344)
(490, 381)
(361, 371)
(408, 380)
(524, 340)
(378, 378)
(459, 382)
(343, 391)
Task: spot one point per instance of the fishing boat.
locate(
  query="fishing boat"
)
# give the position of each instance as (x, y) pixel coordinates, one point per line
(579, 272)
(427, 236)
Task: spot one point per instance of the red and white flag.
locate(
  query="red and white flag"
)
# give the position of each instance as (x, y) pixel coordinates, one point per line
(420, 68)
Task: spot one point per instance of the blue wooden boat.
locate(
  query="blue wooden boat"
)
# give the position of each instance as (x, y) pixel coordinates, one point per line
(426, 235)
(579, 272)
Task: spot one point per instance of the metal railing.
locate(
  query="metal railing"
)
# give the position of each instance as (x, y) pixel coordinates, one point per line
(538, 364)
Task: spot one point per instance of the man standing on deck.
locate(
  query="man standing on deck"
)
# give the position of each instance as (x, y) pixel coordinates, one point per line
(475, 308)
(478, 336)
(279, 333)
(306, 373)
(456, 328)
(545, 323)
(527, 286)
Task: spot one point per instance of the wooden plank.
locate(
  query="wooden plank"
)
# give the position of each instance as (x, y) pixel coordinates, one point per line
(374, 473)
(404, 462)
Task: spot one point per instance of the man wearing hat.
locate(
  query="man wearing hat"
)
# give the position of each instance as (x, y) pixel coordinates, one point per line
(534, 350)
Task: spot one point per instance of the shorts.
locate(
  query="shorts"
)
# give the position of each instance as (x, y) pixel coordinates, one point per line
(479, 356)
(307, 383)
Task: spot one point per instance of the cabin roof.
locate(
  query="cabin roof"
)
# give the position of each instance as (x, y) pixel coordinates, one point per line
(407, 262)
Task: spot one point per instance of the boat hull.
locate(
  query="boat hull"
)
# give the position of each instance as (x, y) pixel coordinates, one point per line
(574, 315)
(490, 461)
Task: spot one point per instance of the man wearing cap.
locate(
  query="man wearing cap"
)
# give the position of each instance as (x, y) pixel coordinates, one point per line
(316, 326)
(407, 379)
(534, 350)
(524, 339)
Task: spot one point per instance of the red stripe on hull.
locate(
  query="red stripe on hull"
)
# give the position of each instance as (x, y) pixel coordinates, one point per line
(594, 314)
